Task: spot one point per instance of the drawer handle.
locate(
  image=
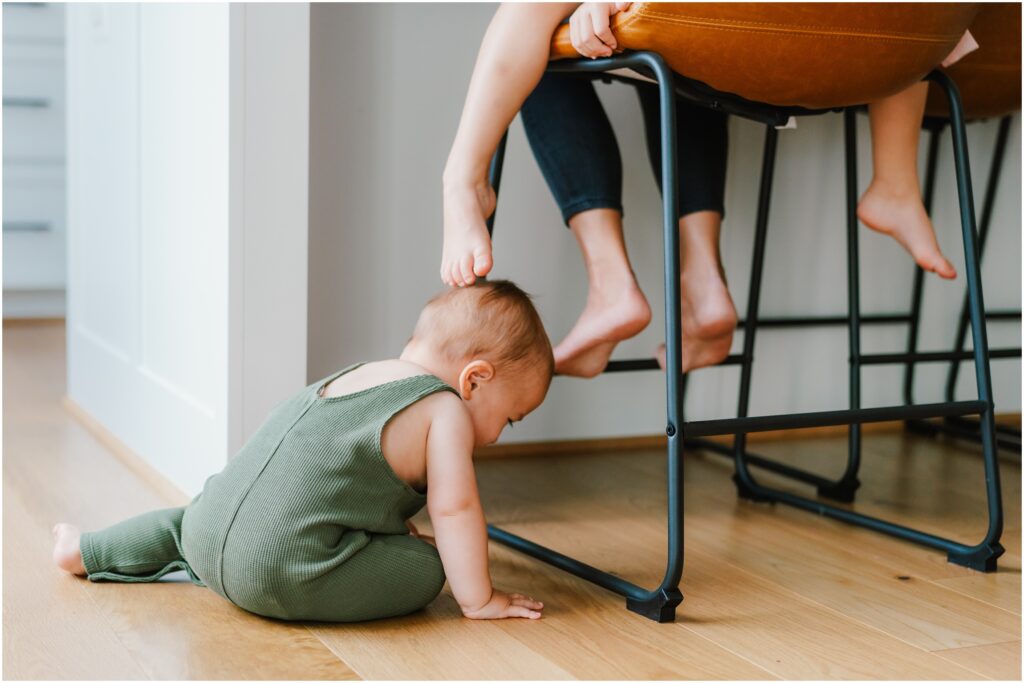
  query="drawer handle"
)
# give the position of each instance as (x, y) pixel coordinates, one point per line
(27, 102)
(26, 226)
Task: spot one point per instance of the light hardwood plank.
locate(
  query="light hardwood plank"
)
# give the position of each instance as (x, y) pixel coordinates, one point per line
(52, 630)
(812, 557)
(586, 633)
(55, 470)
(523, 500)
(437, 644)
(1000, 662)
(1001, 589)
(770, 591)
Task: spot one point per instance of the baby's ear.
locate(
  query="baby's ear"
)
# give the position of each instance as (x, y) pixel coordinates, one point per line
(475, 373)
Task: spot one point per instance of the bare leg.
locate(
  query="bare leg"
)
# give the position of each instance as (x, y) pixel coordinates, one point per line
(512, 58)
(892, 203)
(708, 313)
(67, 552)
(616, 308)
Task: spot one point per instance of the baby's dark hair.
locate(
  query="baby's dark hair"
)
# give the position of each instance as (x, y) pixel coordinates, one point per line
(492, 319)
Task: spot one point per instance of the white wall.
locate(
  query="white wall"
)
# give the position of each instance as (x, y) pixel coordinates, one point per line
(148, 209)
(387, 84)
(187, 181)
(269, 210)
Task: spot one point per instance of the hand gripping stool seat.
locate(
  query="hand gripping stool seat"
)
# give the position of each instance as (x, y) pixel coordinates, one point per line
(767, 63)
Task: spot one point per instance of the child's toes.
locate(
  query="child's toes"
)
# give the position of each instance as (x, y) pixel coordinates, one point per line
(482, 262)
(466, 269)
(945, 269)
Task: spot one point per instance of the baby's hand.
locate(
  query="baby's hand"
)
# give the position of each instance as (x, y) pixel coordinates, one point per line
(506, 605)
(589, 28)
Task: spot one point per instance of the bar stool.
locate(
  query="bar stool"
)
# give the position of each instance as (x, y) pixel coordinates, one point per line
(989, 82)
(896, 45)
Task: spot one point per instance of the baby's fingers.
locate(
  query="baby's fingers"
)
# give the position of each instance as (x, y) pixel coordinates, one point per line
(521, 612)
(524, 601)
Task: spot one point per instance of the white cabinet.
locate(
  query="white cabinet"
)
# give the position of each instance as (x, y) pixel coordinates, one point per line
(34, 191)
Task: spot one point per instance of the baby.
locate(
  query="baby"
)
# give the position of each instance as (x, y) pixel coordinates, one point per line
(310, 520)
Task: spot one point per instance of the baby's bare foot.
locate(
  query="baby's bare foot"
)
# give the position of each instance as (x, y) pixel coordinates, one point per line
(67, 552)
(467, 246)
(614, 311)
(901, 215)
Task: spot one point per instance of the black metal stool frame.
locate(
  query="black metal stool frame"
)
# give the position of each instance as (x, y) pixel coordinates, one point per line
(660, 603)
(844, 487)
(1006, 437)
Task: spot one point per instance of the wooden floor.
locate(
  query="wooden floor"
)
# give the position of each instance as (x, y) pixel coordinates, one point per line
(771, 592)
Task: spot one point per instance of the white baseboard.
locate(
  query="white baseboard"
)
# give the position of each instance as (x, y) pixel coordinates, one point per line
(33, 303)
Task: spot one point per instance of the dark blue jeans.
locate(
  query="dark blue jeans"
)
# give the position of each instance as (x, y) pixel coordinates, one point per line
(576, 149)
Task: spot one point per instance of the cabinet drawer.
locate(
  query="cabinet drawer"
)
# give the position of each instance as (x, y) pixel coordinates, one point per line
(33, 21)
(33, 100)
(34, 227)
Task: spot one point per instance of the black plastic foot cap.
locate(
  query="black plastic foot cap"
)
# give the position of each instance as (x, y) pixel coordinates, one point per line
(744, 492)
(660, 608)
(981, 559)
(844, 491)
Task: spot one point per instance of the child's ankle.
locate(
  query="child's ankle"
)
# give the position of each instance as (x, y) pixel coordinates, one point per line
(904, 188)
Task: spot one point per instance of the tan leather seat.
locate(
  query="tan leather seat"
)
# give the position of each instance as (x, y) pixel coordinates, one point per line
(989, 77)
(799, 54)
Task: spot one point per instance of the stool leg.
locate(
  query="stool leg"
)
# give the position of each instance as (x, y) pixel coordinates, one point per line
(983, 226)
(753, 299)
(661, 604)
(918, 287)
(844, 489)
(983, 555)
(494, 178)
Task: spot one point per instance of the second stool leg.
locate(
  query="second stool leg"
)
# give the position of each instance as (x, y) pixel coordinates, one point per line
(983, 555)
(846, 486)
(753, 298)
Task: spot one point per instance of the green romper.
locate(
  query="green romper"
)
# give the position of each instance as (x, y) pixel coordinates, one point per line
(307, 522)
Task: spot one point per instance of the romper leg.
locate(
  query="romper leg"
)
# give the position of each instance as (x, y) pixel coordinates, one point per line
(137, 550)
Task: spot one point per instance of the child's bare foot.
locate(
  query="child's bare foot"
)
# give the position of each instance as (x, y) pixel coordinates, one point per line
(67, 552)
(901, 215)
(614, 311)
(708, 318)
(467, 246)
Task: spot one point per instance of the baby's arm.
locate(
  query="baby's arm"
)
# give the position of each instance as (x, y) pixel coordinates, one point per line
(460, 531)
(511, 60)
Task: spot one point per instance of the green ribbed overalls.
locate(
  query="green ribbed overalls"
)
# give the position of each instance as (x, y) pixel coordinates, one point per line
(306, 522)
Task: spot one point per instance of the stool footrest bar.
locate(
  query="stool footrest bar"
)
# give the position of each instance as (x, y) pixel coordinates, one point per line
(766, 423)
(566, 563)
(825, 320)
(761, 462)
(932, 356)
(954, 548)
(652, 364)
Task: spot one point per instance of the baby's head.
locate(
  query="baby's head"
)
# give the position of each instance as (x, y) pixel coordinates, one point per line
(487, 341)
